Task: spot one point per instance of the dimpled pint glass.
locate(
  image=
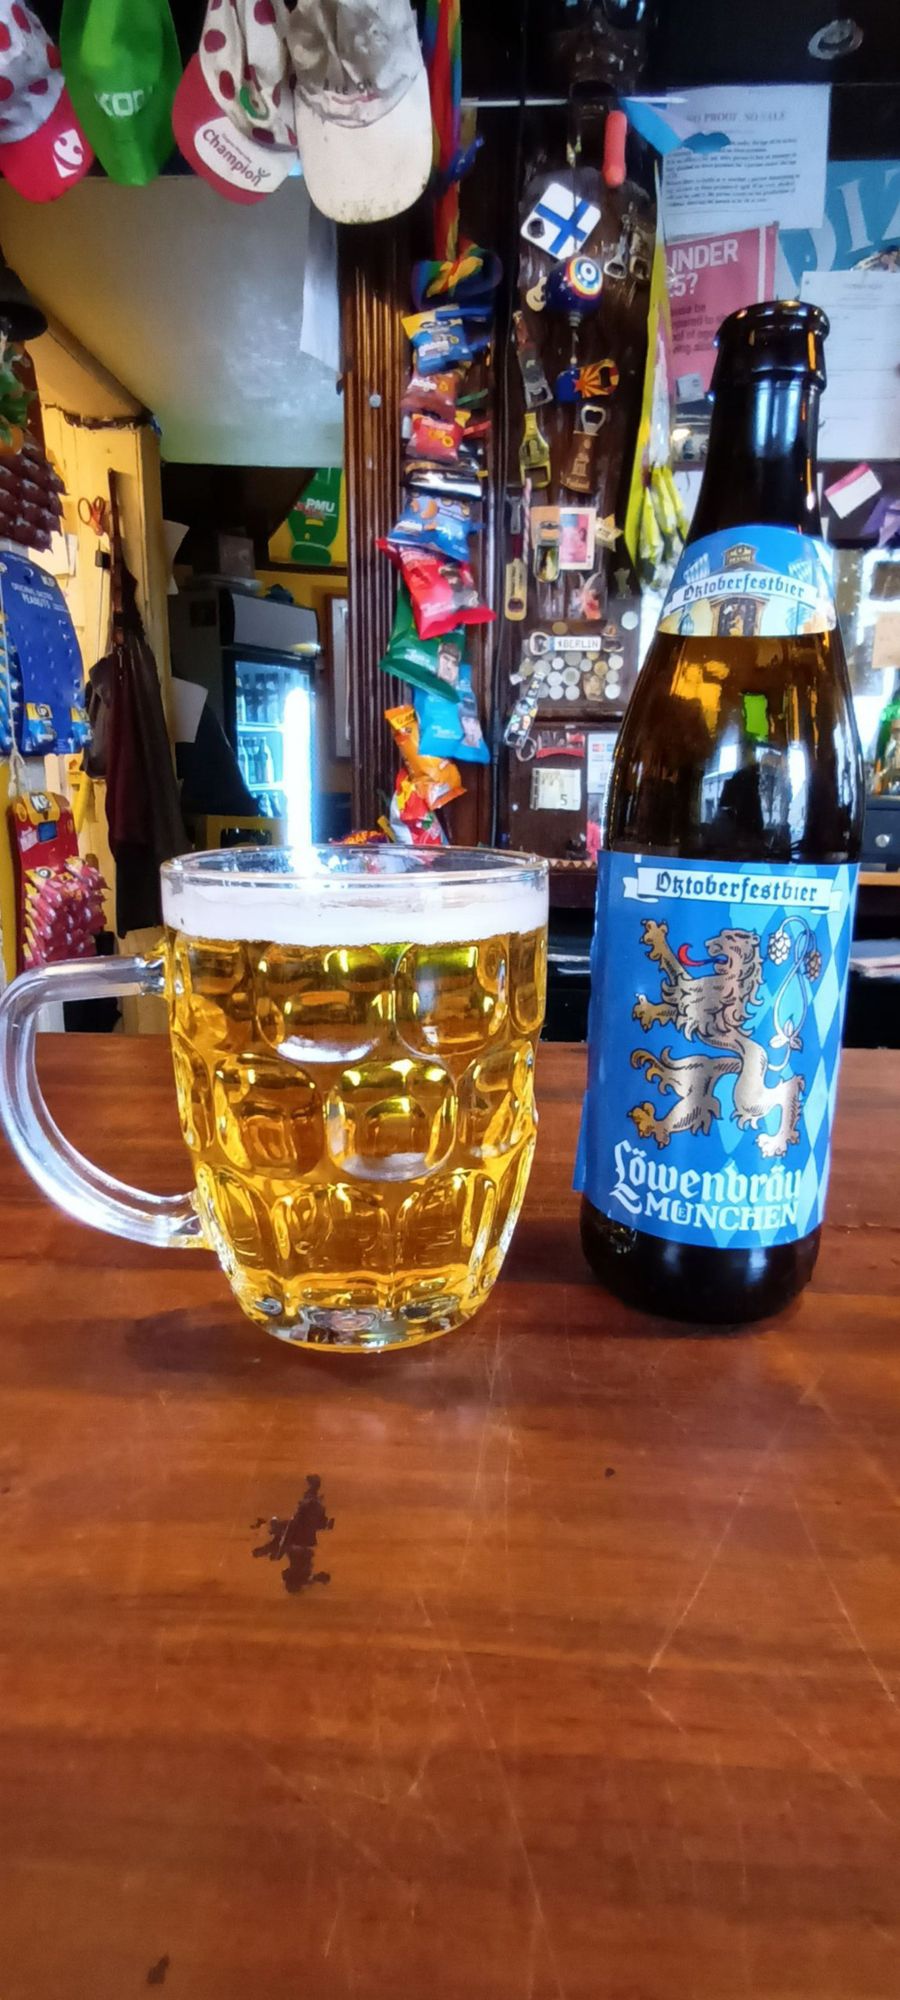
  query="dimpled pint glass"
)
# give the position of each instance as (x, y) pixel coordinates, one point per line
(353, 1037)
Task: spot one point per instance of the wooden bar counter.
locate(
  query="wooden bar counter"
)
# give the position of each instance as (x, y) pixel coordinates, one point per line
(590, 1692)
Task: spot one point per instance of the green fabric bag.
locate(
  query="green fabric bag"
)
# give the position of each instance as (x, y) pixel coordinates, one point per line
(122, 67)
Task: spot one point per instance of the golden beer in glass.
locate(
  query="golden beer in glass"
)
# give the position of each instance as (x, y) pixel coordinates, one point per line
(353, 1036)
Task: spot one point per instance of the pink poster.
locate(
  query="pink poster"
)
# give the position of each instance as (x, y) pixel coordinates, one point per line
(709, 277)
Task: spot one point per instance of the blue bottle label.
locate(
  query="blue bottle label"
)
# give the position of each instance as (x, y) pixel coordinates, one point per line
(751, 582)
(717, 1000)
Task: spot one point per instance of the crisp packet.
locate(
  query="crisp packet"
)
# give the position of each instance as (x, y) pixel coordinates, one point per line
(443, 594)
(412, 823)
(443, 530)
(441, 340)
(464, 482)
(452, 730)
(438, 345)
(434, 394)
(436, 779)
(430, 664)
(436, 438)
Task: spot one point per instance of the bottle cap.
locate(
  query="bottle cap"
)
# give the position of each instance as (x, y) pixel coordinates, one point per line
(778, 337)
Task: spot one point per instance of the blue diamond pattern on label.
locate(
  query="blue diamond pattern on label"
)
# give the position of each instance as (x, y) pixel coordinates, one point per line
(717, 1001)
(751, 582)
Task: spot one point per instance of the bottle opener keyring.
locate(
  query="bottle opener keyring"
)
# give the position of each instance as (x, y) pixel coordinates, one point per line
(599, 378)
(519, 725)
(591, 419)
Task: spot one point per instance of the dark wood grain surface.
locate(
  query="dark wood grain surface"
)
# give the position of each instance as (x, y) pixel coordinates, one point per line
(601, 1700)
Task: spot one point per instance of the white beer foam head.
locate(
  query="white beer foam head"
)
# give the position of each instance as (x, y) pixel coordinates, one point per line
(354, 896)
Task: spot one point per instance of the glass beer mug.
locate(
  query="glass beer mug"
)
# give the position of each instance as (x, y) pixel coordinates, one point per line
(353, 1037)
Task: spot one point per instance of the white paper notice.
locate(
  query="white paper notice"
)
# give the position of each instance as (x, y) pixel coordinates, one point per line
(852, 491)
(861, 405)
(188, 703)
(750, 156)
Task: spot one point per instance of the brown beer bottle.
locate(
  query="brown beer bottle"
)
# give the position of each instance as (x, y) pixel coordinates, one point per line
(726, 887)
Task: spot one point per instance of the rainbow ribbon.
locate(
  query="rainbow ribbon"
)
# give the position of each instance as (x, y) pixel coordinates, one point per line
(443, 61)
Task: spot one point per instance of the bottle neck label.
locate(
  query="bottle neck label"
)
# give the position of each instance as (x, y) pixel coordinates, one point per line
(751, 582)
(717, 1000)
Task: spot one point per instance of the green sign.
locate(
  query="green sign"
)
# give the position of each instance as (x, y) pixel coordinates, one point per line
(315, 520)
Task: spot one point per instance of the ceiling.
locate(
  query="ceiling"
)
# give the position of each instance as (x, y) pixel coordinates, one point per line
(683, 42)
(197, 305)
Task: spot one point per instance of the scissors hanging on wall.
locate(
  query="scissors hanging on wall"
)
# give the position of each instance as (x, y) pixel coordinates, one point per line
(94, 514)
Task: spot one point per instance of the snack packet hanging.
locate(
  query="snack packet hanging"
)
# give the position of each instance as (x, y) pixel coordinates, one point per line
(412, 823)
(464, 483)
(442, 529)
(435, 395)
(438, 344)
(437, 438)
(452, 310)
(436, 779)
(443, 594)
(430, 664)
(446, 730)
(442, 340)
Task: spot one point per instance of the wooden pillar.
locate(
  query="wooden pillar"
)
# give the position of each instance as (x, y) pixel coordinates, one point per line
(374, 286)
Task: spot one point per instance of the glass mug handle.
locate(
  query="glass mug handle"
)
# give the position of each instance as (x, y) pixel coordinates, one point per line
(64, 1175)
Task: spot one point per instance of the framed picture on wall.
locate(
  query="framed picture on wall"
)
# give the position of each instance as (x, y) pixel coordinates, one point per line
(336, 647)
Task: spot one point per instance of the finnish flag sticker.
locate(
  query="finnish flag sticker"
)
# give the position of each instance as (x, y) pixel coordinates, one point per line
(561, 221)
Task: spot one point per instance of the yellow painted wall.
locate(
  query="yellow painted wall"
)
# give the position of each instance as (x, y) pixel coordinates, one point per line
(85, 457)
(312, 588)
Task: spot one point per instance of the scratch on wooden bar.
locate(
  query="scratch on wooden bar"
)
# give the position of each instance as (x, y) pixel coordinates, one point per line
(531, 1967)
(486, 1429)
(515, 1822)
(851, 1437)
(842, 1608)
(739, 1830)
(635, 1860)
(564, 1308)
(506, 1480)
(496, 1358)
(455, 1657)
(673, 1719)
(750, 1482)
(432, 1744)
(330, 1938)
(348, 1962)
(849, 1779)
(688, 1606)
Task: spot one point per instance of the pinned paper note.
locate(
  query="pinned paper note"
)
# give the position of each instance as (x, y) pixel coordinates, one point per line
(886, 642)
(736, 157)
(856, 487)
(861, 407)
(61, 559)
